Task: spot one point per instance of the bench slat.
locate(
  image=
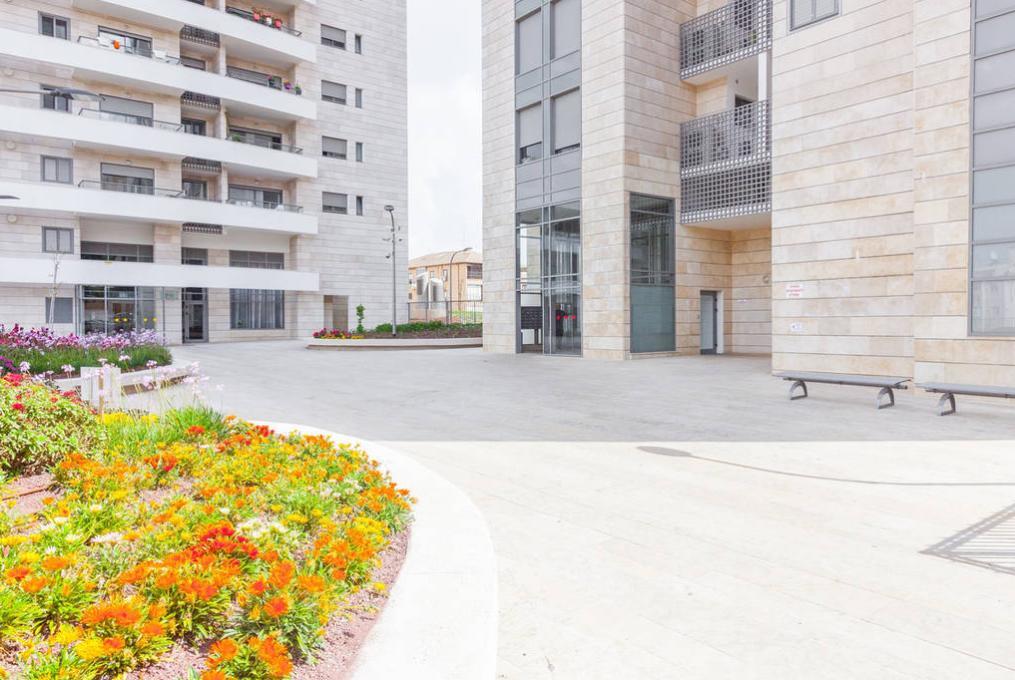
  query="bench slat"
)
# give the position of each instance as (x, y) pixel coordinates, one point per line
(844, 379)
(969, 390)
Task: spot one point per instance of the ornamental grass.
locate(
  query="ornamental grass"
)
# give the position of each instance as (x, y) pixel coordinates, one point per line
(191, 528)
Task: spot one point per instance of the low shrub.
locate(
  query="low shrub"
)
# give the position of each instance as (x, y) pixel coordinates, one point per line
(335, 334)
(425, 326)
(38, 425)
(42, 351)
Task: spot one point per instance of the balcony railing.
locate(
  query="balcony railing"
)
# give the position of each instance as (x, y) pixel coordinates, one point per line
(106, 43)
(726, 164)
(265, 20)
(263, 79)
(201, 165)
(201, 101)
(266, 205)
(733, 32)
(200, 36)
(149, 190)
(254, 140)
(130, 119)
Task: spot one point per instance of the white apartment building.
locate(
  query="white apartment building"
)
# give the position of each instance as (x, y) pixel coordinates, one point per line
(212, 169)
(829, 182)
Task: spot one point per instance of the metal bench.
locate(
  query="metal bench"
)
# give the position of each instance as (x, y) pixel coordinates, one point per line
(887, 385)
(948, 392)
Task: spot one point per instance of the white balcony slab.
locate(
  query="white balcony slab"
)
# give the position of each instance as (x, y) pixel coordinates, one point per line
(97, 273)
(118, 136)
(49, 197)
(89, 61)
(243, 38)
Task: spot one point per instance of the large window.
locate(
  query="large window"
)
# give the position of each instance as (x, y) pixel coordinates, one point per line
(567, 121)
(57, 169)
(194, 256)
(127, 110)
(566, 18)
(653, 275)
(256, 309)
(128, 42)
(60, 312)
(128, 178)
(335, 203)
(333, 92)
(112, 309)
(256, 197)
(54, 26)
(530, 133)
(265, 138)
(57, 240)
(117, 252)
(992, 271)
(333, 147)
(54, 102)
(806, 12)
(529, 43)
(256, 260)
(332, 37)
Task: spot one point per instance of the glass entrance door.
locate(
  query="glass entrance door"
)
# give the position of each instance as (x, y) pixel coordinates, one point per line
(709, 322)
(195, 315)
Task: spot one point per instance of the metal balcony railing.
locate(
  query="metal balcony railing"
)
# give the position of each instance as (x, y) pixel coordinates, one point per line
(269, 21)
(733, 32)
(245, 138)
(266, 205)
(726, 164)
(200, 36)
(201, 165)
(130, 119)
(106, 43)
(129, 188)
(201, 101)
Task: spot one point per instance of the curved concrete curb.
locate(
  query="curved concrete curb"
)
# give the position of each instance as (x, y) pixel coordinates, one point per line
(393, 344)
(440, 621)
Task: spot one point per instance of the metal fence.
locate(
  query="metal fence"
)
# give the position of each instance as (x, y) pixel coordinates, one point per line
(735, 31)
(453, 311)
(726, 164)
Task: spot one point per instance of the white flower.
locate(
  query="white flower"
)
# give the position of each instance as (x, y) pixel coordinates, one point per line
(124, 357)
(25, 367)
(114, 537)
(67, 368)
(102, 361)
(59, 521)
(73, 537)
(225, 511)
(96, 507)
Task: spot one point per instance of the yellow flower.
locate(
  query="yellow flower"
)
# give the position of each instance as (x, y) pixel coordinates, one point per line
(65, 636)
(89, 649)
(275, 507)
(119, 495)
(30, 558)
(380, 587)
(296, 518)
(13, 540)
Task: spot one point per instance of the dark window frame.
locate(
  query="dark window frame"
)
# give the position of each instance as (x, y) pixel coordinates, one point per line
(60, 233)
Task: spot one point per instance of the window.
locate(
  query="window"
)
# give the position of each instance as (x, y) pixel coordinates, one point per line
(193, 126)
(333, 92)
(256, 260)
(359, 98)
(57, 240)
(567, 121)
(335, 203)
(359, 44)
(194, 256)
(129, 42)
(255, 196)
(116, 252)
(191, 62)
(992, 270)
(333, 37)
(359, 152)
(255, 77)
(127, 110)
(530, 133)
(566, 19)
(61, 312)
(529, 43)
(195, 188)
(54, 26)
(332, 147)
(359, 206)
(653, 274)
(265, 138)
(474, 292)
(806, 12)
(256, 309)
(55, 102)
(113, 309)
(474, 271)
(128, 178)
(57, 169)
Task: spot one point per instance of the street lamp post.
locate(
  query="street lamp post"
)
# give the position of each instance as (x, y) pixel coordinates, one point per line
(390, 209)
(451, 280)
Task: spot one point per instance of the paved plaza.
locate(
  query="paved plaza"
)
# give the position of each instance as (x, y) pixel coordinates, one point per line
(680, 518)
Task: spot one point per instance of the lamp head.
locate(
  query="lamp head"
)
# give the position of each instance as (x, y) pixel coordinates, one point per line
(389, 208)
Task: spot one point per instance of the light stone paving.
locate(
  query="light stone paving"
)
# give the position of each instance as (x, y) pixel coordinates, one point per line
(680, 518)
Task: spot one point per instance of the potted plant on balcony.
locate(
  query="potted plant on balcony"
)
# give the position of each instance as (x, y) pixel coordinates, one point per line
(292, 87)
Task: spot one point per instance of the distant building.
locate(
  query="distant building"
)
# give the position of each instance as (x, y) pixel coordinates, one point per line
(438, 288)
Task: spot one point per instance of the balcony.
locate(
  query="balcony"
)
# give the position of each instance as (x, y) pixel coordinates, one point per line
(733, 32)
(90, 59)
(107, 131)
(726, 168)
(95, 272)
(243, 38)
(94, 198)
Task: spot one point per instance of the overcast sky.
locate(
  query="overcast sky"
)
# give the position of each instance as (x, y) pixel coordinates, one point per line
(445, 126)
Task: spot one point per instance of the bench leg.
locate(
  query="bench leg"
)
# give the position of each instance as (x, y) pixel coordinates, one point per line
(793, 388)
(890, 393)
(950, 400)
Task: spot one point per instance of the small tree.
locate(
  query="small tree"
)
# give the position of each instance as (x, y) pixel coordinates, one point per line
(360, 311)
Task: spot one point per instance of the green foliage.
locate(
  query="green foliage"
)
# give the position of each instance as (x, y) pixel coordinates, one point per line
(424, 326)
(18, 613)
(54, 359)
(38, 425)
(360, 312)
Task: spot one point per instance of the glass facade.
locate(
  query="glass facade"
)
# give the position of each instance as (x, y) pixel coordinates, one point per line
(113, 309)
(653, 275)
(992, 274)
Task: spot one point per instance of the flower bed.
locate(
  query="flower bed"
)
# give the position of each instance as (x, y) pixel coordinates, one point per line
(409, 331)
(40, 350)
(192, 530)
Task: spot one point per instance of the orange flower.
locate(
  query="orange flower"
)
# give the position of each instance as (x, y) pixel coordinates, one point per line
(281, 574)
(55, 563)
(113, 644)
(311, 584)
(18, 573)
(153, 629)
(258, 587)
(224, 650)
(214, 675)
(124, 615)
(276, 607)
(195, 430)
(33, 584)
(274, 654)
(166, 580)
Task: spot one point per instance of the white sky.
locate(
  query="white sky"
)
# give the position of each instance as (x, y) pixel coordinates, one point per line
(445, 126)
